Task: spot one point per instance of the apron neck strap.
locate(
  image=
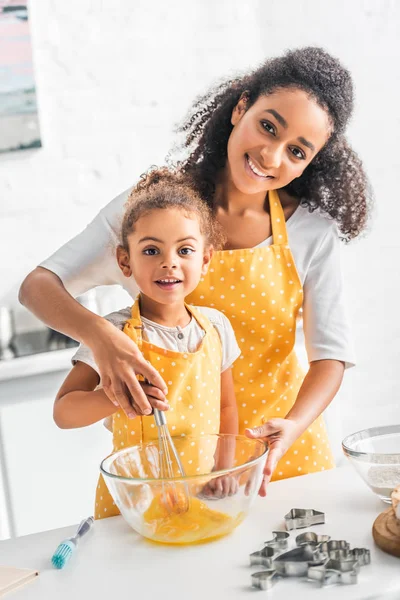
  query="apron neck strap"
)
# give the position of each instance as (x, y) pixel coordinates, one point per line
(136, 324)
(278, 223)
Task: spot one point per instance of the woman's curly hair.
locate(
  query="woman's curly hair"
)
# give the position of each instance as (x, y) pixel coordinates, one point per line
(161, 189)
(334, 181)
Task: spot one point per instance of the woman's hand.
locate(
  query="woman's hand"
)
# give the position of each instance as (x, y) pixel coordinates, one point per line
(279, 434)
(120, 361)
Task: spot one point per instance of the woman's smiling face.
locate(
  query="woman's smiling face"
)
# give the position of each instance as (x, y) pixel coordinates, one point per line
(275, 140)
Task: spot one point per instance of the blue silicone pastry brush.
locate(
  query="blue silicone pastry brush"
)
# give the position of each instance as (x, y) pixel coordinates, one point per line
(64, 551)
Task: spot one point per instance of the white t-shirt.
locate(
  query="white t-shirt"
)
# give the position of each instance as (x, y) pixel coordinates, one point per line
(88, 260)
(178, 339)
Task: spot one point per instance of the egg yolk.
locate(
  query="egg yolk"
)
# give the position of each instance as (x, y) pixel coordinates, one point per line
(172, 518)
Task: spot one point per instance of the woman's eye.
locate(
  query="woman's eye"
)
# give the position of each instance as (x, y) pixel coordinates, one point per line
(186, 251)
(298, 153)
(150, 251)
(268, 127)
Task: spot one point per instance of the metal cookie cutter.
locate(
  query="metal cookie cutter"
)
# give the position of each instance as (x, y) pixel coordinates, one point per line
(313, 539)
(335, 571)
(297, 562)
(334, 546)
(280, 540)
(272, 547)
(298, 518)
(361, 555)
(264, 557)
(264, 580)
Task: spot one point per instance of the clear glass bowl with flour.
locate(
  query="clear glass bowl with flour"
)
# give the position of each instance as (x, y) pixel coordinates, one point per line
(375, 454)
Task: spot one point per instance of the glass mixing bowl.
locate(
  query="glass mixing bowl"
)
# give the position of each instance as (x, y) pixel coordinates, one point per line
(222, 476)
(375, 454)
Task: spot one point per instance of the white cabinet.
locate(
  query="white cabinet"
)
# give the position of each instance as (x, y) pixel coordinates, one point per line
(49, 475)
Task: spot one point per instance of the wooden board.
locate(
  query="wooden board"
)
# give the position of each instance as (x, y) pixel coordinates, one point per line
(12, 578)
(386, 532)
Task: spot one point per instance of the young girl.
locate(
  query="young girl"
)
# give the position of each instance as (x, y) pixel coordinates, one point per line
(268, 153)
(167, 239)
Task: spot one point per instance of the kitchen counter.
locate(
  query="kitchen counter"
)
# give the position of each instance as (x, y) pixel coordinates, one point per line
(113, 561)
(37, 352)
(36, 364)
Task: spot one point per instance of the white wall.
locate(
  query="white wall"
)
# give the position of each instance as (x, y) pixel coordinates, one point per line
(114, 77)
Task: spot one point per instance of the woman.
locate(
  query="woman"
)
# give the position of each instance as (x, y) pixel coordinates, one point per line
(278, 128)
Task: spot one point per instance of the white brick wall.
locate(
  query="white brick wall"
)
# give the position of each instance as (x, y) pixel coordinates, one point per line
(114, 77)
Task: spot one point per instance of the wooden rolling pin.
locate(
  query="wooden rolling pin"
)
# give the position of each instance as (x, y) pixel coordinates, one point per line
(386, 528)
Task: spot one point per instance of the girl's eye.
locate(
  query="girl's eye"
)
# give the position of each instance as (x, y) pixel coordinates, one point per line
(186, 251)
(298, 153)
(268, 127)
(150, 251)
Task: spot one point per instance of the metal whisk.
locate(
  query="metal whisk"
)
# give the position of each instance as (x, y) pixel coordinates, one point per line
(175, 496)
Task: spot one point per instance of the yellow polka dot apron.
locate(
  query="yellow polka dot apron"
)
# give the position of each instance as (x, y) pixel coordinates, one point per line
(260, 291)
(194, 397)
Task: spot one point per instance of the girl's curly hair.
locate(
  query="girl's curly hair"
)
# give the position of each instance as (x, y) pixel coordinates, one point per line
(334, 181)
(161, 189)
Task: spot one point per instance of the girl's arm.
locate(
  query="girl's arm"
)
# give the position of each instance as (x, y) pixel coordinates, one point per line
(224, 456)
(44, 294)
(229, 421)
(77, 404)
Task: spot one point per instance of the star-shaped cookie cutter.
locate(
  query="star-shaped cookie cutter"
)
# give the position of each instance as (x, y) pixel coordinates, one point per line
(298, 518)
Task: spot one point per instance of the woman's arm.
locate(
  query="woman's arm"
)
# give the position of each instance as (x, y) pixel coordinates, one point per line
(319, 387)
(116, 355)
(229, 421)
(43, 293)
(83, 263)
(77, 404)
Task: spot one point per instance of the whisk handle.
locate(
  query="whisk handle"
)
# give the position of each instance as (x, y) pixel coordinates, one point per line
(159, 417)
(84, 527)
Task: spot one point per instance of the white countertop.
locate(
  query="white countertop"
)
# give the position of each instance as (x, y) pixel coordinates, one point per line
(114, 562)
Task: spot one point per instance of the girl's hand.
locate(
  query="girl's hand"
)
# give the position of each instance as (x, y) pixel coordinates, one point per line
(154, 396)
(120, 361)
(279, 434)
(220, 487)
(225, 485)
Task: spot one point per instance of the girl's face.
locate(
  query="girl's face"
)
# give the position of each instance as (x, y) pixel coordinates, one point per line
(166, 256)
(274, 140)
